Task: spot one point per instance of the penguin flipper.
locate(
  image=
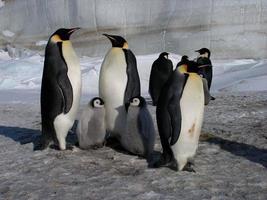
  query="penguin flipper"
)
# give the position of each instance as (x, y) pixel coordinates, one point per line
(64, 83)
(133, 83)
(207, 96)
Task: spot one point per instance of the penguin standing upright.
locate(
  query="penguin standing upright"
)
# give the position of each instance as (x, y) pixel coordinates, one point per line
(160, 72)
(139, 137)
(91, 129)
(118, 82)
(60, 90)
(204, 62)
(179, 114)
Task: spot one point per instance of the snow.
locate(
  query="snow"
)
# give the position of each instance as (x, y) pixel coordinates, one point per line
(7, 33)
(2, 3)
(229, 75)
(41, 43)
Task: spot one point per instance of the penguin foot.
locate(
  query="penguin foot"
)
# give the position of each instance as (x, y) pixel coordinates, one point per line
(188, 167)
(41, 145)
(212, 98)
(69, 147)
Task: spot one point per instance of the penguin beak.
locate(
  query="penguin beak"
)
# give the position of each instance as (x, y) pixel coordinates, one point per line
(109, 37)
(73, 30)
(197, 50)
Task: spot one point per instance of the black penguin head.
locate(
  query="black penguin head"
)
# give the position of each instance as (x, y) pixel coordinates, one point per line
(97, 102)
(204, 52)
(117, 41)
(164, 55)
(137, 101)
(63, 34)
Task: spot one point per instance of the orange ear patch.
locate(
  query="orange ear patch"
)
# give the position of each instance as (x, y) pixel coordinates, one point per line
(56, 39)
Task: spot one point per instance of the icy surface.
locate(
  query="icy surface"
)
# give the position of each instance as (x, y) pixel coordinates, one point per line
(41, 43)
(8, 33)
(231, 161)
(230, 28)
(2, 3)
(229, 75)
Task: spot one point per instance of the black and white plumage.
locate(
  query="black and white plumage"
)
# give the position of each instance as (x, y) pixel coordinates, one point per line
(118, 82)
(91, 129)
(60, 90)
(160, 72)
(204, 62)
(179, 114)
(139, 137)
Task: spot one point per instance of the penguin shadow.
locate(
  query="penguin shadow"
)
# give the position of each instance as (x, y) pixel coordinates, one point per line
(21, 135)
(247, 151)
(25, 135)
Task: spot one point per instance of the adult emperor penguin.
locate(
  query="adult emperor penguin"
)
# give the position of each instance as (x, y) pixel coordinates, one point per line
(179, 114)
(60, 90)
(91, 129)
(204, 62)
(118, 82)
(139, 137)
(160, 72)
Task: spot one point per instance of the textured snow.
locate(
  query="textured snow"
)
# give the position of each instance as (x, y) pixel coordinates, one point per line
(230, 163)
(229, 75)
(8, 33)
(2, 3)
(230, 28)
(41, 43)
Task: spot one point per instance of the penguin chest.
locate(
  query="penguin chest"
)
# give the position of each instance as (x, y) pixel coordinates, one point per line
(112, 85)
(74, 75)
(192, 110)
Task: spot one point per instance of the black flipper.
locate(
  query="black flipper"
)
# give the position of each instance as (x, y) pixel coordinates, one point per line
(168, 114)
(133, 84)
(206, 69)
(65, 84)
(207, 96)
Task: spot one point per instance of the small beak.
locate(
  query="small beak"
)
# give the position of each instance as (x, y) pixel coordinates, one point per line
(197, 50)
(73, 30)
(108, 36)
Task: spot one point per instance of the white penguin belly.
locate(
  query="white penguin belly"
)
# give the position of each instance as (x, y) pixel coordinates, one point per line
(112, 86)
(192, 110)
(64, 122)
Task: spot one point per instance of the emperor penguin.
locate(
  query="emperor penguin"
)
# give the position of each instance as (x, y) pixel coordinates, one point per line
(160, 72)
(139, 137)
(179, 115)
(60, 90)
(204, 62)
(91, 129)
(118, 82)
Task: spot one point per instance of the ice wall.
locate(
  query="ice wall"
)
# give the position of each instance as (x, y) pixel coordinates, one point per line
(230, 28)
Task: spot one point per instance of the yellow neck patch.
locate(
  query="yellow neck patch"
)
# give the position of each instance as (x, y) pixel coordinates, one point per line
(56, 39)
(125, 45)
(182, 68)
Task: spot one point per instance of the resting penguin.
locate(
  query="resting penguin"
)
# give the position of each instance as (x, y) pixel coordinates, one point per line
(91, 130)
(139, 137)
(118, 83)
(160, 72)
(179, 114)
(60, 90)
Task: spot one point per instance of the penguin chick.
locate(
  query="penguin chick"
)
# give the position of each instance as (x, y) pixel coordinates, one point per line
(91, 129)
(139, 137)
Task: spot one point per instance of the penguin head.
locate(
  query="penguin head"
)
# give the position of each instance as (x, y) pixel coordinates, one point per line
(117, 41)
(97, 102)
(204, 52)
(164, 55)
(63, 34)
(137, 101)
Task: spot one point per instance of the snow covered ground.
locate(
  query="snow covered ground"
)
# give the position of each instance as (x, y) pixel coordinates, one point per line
(231, 160)
(24, 74)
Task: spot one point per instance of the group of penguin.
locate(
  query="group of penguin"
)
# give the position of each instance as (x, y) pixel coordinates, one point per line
(120, 111)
